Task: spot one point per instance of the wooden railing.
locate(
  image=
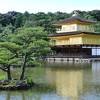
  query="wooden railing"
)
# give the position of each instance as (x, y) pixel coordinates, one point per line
(73, 56)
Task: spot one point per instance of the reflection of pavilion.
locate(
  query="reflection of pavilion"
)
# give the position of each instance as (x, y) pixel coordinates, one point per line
(96, 72)
(67, 82)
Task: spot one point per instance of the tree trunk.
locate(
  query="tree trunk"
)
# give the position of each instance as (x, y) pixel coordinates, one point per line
(9, 73)
(23, 69)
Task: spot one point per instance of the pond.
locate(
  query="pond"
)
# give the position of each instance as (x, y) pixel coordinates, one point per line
(60, 81)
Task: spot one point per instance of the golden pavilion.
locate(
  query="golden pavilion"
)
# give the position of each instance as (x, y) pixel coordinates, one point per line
(75, 38)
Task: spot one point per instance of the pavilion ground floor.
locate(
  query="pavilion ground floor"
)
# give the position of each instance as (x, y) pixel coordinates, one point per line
(75, 52)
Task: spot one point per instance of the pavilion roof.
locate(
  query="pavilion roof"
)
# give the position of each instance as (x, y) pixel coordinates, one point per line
(75, 18)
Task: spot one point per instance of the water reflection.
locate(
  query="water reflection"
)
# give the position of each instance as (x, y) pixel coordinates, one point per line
(62, 81)
(96, 72)
(12, 96)
(21, 95)
(70, 83)
(68, 80)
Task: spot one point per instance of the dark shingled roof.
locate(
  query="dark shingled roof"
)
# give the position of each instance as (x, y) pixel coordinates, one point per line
(72, 33)
(74, 18)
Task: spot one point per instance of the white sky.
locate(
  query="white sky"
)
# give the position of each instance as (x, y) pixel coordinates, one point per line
(34, 6)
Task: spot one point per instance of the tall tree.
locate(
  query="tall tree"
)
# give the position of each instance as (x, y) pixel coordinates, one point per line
(34, 45)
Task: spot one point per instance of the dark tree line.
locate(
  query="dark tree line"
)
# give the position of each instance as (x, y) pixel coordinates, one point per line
(46, 20)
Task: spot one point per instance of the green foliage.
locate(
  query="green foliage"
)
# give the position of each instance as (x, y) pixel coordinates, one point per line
(4, 56)
(46, 20)
(12, 47)
(7, 57)
(5, 31)
(33, 42)
(23, 48)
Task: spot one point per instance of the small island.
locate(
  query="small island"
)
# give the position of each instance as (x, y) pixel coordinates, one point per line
(15, 84)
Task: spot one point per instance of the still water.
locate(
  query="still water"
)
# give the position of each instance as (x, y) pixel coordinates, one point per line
(60, 81)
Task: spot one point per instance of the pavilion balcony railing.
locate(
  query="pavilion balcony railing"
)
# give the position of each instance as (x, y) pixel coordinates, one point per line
(73, 56)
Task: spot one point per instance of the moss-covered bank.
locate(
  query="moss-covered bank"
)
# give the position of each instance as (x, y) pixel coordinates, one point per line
(15, 84)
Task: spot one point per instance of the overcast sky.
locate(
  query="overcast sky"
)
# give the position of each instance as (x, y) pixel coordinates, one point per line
(34, 6)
